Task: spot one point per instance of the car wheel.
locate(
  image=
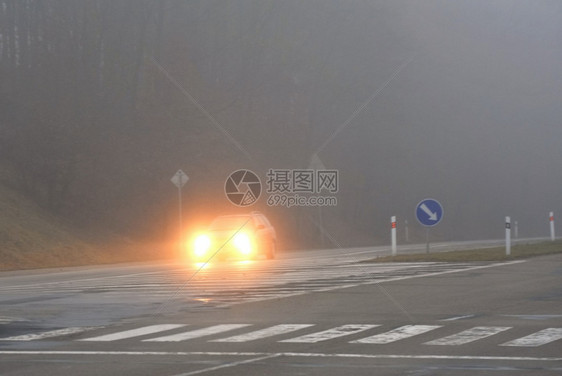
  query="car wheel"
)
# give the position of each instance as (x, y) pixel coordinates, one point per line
(271, 251)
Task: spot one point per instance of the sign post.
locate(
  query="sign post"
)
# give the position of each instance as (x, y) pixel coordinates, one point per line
(316, 165)
(429, 213)
(507, 236)
(179, 180)
(393, 234)
(552, 234)
(406, 233)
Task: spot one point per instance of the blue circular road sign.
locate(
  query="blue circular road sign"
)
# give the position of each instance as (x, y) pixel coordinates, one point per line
(429, 212)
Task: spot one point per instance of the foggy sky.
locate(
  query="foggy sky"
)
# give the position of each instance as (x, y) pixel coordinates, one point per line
(473, 120)
(455, 100)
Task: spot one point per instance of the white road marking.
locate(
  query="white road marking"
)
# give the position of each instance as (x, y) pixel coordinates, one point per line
(468, 336)
(535, 317)
(228, 365)
(455, 318)
(397, 334)
(537, 339)
(8, 320)
(197, 333)
(265, 333)
(134, 333)
(330, 333)
(49, 334)
(285, 354)
(74, 281)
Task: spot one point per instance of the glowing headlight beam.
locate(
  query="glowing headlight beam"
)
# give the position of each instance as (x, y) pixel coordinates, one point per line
(201, 245)
(243, 243)
(164, 305)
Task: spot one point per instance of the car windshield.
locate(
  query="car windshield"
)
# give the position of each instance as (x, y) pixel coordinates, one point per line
(230, 223)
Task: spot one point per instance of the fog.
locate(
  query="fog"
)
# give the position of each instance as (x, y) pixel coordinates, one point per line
(455, 100)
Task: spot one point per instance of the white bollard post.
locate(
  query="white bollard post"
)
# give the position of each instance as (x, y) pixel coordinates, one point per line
(552, 234)
(507, 236)
(516, 230)
(393, 234)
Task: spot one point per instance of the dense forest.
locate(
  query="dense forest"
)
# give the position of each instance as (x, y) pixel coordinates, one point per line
(102, 101)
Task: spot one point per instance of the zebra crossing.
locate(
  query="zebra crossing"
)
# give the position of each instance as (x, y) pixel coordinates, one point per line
(397, 334)
(264, 333)
(184, 332)
(469, 335)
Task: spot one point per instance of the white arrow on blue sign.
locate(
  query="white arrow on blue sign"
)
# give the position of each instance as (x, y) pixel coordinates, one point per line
(429, 212)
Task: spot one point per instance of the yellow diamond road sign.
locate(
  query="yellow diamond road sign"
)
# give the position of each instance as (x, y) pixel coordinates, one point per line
(179, 179)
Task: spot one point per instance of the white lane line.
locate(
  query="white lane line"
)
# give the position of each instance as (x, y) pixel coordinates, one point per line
(134, 333)
(468, 336)
(76, 281)
(265, 333)
(535, 317)
(49, 334)
(286, 354)
(537, 339)
(397, 334)
(198, 333)
(228, 365)
(8, 320)
(455, 318)
(330, 333)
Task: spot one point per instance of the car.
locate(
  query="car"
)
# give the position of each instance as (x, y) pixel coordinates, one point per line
(239, 236)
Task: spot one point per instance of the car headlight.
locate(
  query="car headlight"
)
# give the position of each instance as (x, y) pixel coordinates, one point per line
(201, 245)
(242, 243)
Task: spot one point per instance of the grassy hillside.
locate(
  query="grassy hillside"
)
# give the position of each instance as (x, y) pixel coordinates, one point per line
(518, 251)
(32, 238)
